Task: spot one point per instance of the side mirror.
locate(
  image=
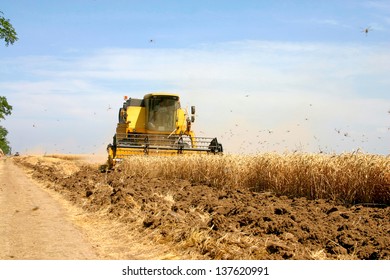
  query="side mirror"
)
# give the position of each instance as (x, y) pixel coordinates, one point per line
(192, 118)
(192, 110)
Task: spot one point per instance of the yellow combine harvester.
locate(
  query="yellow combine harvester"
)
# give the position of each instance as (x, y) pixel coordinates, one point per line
(156, 124)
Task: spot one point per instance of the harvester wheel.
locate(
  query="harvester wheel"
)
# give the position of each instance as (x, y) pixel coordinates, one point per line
(110, 163)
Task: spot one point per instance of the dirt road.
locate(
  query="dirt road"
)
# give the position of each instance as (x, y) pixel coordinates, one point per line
(33, 225)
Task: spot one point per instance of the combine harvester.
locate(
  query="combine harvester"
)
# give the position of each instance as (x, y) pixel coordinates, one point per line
(156, 125)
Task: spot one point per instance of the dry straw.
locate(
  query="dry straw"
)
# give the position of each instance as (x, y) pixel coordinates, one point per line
(348, 178)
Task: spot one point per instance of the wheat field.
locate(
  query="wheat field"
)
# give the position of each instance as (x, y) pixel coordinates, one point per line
(350, 178)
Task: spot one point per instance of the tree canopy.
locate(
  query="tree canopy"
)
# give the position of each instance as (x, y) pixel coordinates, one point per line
(5, 110)
(4, 144)
(7, 31)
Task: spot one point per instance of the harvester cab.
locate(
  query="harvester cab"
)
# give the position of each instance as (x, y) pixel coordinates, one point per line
(157, 125)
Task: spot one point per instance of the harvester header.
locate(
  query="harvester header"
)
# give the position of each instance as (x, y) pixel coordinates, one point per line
(158, 125)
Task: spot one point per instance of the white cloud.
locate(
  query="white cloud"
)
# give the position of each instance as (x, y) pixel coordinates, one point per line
(334, 87)
(379, 5)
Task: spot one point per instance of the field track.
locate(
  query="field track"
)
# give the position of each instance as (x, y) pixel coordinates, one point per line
(33, 225)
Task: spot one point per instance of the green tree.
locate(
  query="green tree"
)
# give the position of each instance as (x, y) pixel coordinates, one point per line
(5, 110)
(4, 144)
(7, 31)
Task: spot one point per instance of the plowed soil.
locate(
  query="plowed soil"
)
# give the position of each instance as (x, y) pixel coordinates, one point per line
(201, 222)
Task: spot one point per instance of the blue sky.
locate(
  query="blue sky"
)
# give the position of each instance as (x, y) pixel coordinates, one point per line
(264, 75)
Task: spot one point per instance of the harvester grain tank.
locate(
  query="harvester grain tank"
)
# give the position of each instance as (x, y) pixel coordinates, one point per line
(157, 125)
